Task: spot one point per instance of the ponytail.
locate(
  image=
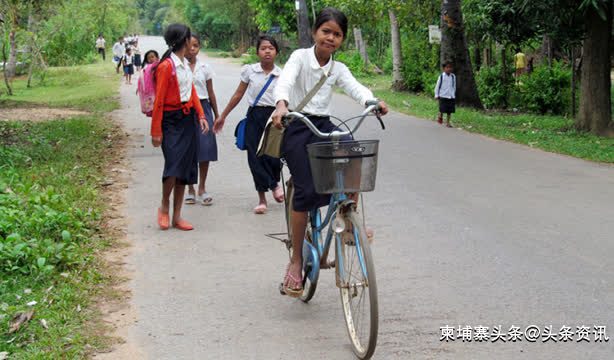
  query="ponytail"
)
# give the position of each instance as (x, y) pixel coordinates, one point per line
(176, 36)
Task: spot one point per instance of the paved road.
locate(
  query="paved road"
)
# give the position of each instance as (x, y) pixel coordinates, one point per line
(469, 231)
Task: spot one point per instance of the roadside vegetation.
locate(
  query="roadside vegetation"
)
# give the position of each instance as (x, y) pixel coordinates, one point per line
(53, 176)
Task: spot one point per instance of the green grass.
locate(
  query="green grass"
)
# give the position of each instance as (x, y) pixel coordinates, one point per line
(51, 216)
(89, 87)
(550, 133)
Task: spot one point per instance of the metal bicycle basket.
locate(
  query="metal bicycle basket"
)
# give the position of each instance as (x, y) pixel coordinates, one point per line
(343, 166)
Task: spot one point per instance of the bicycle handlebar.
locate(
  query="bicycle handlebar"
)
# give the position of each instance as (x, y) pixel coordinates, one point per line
(372, 106)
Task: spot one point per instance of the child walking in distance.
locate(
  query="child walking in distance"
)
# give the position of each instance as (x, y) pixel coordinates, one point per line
(119, 49)
(138, 61)
(258, 81)
(100, 46)
(177, 119)
(128, 63)
(301, 73)
(203, 81)
(445, 92)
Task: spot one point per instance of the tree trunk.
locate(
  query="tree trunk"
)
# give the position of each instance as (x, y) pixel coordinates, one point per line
(9, 89)
(302, 19)
(595, 113)
(397, 57)
(454, 49)
(477, 53)
(11, 65)
(361, 46)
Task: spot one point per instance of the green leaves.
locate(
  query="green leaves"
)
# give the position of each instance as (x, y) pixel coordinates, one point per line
(597, 5)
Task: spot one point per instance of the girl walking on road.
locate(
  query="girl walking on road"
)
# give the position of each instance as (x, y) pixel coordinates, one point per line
(254, 78)
(137, 56)
(301, 73)
(203, 81)
(176, 121)
(128, 63)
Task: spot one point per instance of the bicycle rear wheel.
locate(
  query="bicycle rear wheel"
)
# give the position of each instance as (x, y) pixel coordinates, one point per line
(357, 287)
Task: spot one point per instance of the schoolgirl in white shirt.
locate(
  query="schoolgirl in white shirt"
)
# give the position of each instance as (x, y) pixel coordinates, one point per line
(302, 71)
(265, 170)
(445, 92)
(203, 82)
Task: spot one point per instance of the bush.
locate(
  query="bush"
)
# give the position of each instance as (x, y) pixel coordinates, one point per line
(494, 91)
(420, 60)
(429, 80)
(353, 60)
(547, 90)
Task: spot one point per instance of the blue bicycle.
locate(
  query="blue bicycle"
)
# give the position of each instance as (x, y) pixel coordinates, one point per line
(342, 167)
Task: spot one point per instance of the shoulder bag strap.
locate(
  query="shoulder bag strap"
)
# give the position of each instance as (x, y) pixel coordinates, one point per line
(315, 89)
(266, 86)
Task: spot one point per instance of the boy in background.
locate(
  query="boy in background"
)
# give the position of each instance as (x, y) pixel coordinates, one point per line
(445, 92)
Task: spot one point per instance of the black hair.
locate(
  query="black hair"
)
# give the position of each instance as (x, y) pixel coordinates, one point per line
(147, 55)
(175, 36)
(269, 39)
(332, 14)
(197, 37)
(446, 63)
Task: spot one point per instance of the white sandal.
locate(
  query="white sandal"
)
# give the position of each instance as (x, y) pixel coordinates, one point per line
(206, 199)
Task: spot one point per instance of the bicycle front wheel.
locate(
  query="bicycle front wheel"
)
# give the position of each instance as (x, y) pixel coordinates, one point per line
(358, 289)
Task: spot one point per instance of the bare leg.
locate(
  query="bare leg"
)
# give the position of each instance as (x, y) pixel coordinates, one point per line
(299, 225)
(191, 190)
(261, 198)
(448, 116)
(177, 202)
(167, 188)
(204, 170)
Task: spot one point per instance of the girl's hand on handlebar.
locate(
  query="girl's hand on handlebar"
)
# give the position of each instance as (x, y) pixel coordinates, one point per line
(383, 108)
(281, 110)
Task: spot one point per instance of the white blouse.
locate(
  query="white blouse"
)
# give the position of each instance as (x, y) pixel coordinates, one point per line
(302, 72)
(255, 77)
(202, 73)
(184, 77)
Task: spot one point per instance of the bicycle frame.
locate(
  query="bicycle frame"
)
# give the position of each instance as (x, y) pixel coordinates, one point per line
(319, 248)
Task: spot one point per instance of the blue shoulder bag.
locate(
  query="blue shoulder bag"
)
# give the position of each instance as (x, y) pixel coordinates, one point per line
(240, 129)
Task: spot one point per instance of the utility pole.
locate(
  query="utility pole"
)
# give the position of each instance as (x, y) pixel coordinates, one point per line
(302, 20)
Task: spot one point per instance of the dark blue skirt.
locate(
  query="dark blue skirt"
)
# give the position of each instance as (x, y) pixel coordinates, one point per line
(208, 142)
(294, 148)
(180, 146)
(266, 171)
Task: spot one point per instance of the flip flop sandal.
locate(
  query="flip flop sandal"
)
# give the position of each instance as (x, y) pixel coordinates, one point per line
(285, 289)
(163, 220)
(278, 194)
(183, 225)
(190, 199)
(260, 209)
(206, 199)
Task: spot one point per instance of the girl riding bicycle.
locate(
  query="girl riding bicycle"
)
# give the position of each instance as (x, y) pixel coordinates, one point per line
(300, 74)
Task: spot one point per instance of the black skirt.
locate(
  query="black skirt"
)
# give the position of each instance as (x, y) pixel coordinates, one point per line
(447, 106)
(137, 59)
(180, 146)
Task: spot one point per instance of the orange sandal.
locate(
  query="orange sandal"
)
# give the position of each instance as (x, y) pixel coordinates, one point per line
(163, 220)
(183, 225)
